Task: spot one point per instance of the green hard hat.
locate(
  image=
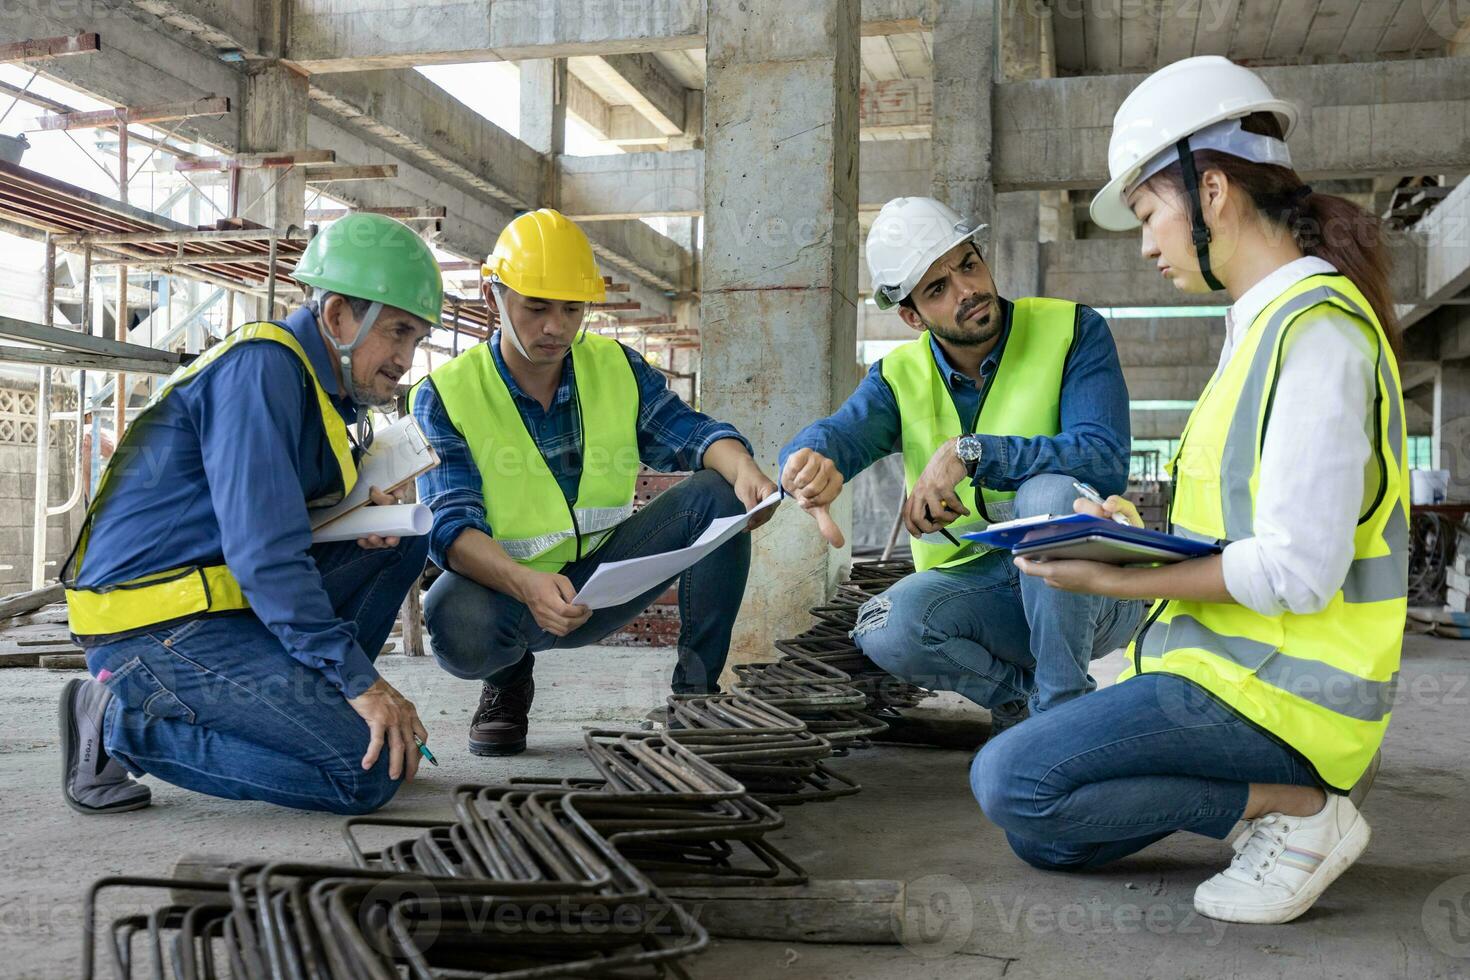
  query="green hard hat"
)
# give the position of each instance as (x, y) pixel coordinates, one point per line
(373, 257)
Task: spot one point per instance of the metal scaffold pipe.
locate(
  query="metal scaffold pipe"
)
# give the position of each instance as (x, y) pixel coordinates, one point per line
(43, 429)
(86, 325)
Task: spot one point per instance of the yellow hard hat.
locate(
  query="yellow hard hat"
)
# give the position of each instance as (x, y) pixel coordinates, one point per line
(544, 254)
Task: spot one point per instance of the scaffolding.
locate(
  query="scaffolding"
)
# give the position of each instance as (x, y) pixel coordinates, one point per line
(234, 255)
(238, 257)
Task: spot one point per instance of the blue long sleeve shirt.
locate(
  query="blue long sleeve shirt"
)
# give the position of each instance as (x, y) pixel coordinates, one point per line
(1092, 446)
(222, 473)
(671, 436)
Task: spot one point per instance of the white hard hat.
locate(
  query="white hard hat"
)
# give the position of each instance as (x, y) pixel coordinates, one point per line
(1177, 101)
(909, 234)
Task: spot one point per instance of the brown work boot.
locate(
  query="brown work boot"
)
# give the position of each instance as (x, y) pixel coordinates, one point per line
(500, 724)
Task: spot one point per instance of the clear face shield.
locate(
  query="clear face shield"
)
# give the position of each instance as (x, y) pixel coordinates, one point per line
(498, 290)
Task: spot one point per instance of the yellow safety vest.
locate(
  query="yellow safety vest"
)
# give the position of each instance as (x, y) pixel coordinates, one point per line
(181, 593)
(1022, 398)
(528, 513)
(1323, 682)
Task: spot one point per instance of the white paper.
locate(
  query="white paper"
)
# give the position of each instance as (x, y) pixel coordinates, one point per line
(390, 521)
(398, 452)
(618, 582)
(1022, 522)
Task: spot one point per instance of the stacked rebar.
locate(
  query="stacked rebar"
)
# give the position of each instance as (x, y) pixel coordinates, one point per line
(551, 876)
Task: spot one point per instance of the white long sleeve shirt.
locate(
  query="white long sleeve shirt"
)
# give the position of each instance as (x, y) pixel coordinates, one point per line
(1316, 459)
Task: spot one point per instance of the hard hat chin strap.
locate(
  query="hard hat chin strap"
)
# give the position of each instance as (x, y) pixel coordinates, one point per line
(344, 351)
(497, 290)
(1198, 229)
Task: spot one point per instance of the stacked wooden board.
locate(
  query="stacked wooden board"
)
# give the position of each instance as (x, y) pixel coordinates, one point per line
(34, 631)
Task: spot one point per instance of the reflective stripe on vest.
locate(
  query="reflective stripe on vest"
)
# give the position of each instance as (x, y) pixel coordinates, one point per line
(179, 593)
(1322, 682)
(1022, 398)
(524, 505)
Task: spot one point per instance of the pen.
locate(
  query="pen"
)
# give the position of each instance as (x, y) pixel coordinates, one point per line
(1097, 498)
(424, 750)
(944, 531)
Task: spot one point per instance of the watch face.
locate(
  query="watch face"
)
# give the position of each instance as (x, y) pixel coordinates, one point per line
(968, 449)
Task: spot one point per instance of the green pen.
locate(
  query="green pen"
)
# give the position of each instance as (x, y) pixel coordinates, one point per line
(424, 750)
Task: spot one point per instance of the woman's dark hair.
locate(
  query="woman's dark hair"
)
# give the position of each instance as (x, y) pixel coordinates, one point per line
(1325, 225)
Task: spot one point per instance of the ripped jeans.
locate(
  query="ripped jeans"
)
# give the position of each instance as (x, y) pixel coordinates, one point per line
(988, 632)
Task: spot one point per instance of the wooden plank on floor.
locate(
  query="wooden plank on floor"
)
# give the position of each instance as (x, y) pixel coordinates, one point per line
(24, 602)
(53, 615)
(840, 911)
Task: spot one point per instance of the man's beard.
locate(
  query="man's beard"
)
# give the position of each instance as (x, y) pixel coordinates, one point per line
(364, 395)
(963, 334)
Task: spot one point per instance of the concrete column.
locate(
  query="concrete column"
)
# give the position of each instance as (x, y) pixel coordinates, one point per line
(276, 106)
(693, 136)
(780, 265)
(274, 119)
(1024, 47)
(1015, 259)
(1452, 426)
(964, 74)
(1058, 224)
(544, 116)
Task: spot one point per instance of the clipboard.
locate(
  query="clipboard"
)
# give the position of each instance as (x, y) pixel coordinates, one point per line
(399, 453)
(1089, 538)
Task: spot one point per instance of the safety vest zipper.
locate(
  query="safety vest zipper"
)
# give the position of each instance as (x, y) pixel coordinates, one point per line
(970, 429)
(576, 528)
(1138, 637)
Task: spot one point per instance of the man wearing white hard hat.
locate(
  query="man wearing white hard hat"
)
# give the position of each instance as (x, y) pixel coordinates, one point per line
(998, 408)
(1260, 685)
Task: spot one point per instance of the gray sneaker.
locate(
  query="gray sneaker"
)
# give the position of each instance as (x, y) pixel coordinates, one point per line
(1004, 716)
(91, 781)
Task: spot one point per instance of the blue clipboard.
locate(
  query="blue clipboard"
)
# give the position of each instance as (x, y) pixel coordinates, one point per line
(1092, 539)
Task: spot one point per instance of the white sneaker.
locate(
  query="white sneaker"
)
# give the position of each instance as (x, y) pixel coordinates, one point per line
(1282, 864)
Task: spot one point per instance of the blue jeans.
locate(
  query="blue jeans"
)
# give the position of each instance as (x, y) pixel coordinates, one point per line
(480, 634)
(1107, 775)
(218, 706)
(992, 634)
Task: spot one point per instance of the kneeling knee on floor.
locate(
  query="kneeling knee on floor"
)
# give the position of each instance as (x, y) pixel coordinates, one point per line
(999, 790)
(368, 792)
(1045, 864)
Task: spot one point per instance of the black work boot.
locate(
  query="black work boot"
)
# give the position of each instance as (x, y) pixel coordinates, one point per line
(500, 724)
(1008, 715)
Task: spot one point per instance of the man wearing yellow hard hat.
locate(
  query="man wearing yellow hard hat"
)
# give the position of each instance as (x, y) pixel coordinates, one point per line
(231, 655)
(541, 431)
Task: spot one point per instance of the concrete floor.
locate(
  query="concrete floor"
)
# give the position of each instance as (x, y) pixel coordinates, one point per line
(1402, 911)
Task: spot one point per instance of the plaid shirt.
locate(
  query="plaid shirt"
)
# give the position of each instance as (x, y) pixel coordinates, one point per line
(671, 436)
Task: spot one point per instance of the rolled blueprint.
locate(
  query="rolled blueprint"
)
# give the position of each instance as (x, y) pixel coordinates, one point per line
(389, 521)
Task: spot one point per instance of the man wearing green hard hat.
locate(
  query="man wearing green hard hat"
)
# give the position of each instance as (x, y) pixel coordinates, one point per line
(229, 654)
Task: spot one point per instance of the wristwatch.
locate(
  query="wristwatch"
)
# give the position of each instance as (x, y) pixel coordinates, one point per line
(969, 449)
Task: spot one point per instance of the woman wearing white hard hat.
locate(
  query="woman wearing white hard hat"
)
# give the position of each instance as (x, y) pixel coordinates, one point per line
(1259, 686)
